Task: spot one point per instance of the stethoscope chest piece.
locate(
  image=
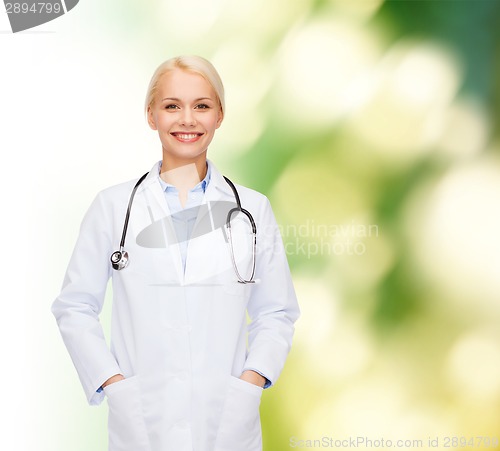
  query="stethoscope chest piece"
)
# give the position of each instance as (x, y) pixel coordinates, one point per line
(119, 260)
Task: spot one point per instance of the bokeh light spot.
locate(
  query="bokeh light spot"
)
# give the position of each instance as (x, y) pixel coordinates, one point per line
(454, 229)
(404, 100)
(473, 367)
(318, 63)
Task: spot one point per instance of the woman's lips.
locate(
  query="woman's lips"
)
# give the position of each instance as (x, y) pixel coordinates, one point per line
(186, 137)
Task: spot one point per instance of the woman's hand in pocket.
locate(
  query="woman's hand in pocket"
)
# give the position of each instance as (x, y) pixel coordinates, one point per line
(113, 379)
(253, 377)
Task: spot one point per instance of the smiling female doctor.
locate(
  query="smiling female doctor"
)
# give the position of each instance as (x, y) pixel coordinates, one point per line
(185, 369)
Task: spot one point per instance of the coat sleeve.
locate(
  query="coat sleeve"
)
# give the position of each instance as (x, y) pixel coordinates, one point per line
(80, 302)
(273, 306)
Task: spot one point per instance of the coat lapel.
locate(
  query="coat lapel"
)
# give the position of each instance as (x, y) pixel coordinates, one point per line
(159, 211)
(209, 228)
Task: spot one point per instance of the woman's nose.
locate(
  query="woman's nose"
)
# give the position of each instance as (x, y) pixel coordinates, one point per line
(187, 118)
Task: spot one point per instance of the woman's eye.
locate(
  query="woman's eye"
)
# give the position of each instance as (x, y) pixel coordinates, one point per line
(202, 106)
(171, 107)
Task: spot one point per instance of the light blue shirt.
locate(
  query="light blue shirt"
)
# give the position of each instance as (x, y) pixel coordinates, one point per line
(183, 219)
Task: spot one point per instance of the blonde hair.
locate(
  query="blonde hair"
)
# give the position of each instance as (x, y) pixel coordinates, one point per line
(194, 64)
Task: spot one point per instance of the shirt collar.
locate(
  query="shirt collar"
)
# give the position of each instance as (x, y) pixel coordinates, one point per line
(202, 186)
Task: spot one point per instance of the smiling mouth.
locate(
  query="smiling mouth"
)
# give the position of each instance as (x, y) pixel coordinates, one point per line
(186, 137)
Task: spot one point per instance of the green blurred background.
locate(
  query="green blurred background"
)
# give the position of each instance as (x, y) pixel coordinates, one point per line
(373, 128)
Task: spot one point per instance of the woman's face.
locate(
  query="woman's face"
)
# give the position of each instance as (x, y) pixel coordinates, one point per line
(186, 113)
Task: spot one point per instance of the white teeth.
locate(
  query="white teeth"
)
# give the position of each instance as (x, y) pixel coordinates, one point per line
(186, 136)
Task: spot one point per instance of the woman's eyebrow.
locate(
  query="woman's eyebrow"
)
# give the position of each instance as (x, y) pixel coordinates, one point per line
(175, 99)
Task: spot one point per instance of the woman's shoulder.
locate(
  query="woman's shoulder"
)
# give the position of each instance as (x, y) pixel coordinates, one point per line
(118, 189)
(256, 202)
(117, 193)
(245, 191)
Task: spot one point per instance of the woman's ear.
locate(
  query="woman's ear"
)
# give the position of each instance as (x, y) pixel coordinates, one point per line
(151, 119)
(220, 117)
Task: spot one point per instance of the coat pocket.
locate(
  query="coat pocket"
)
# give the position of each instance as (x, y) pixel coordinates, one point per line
(126, 426)
(239, 428)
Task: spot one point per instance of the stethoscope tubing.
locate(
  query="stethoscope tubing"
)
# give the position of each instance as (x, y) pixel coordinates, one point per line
(129, 209)
(119, 259)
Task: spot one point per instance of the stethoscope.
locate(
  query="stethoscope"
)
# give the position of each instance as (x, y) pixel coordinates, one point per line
(120, 259)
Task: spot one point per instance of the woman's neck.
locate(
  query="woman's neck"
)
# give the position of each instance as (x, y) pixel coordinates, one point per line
(183, 176)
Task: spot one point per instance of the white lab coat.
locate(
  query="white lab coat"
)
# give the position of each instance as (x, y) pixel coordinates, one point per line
(181, 339)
